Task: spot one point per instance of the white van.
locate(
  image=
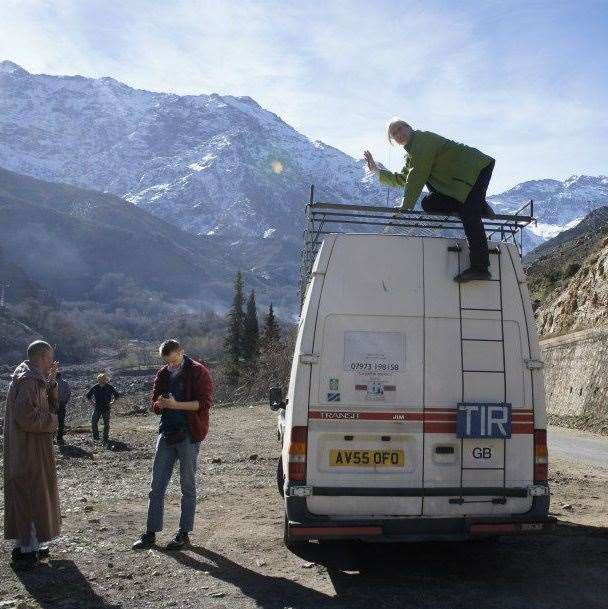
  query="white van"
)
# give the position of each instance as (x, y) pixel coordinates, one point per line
(416, 405)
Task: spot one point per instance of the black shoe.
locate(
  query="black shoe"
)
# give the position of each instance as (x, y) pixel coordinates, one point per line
(473, 274)
(16, 554)
(181, 541)
(23, 561)
(146, 541)
(487, 211)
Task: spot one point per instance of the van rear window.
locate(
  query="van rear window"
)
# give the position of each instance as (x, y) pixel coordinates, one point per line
(376, 352)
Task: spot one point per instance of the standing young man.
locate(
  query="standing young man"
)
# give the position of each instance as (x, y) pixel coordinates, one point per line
(457, 177)
(31, 496)
(104, 395)
(182, 395)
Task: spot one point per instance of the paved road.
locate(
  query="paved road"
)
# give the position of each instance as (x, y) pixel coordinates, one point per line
(578, 445)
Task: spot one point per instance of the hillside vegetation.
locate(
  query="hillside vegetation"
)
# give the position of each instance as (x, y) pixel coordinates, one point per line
(567, 277)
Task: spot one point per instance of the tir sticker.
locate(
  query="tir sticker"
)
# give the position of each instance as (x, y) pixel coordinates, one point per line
(377, 353)
(483, 420)
(334, 384)
(333, 396)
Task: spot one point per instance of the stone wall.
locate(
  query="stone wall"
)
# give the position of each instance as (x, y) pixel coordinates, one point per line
(576, 373)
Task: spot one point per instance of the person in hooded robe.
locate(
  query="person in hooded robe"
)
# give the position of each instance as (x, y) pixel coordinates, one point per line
(32, 515)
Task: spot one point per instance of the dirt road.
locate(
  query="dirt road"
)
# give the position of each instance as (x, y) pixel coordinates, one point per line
(578, 446)
(238, 559)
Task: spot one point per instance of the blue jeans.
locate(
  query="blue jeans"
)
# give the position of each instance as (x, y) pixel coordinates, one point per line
(186, 452)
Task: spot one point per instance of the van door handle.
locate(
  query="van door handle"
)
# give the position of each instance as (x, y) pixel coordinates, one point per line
(534, 364)
(309, 358)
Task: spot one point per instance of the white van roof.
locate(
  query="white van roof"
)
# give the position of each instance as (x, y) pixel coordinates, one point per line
(323, 219)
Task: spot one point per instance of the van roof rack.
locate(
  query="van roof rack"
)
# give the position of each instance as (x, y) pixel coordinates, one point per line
(328, 218)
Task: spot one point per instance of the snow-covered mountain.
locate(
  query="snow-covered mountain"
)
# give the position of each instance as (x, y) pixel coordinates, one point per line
(210, 164)
(558, 206)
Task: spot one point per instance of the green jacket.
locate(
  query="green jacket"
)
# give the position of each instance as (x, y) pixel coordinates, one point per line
(448, 167)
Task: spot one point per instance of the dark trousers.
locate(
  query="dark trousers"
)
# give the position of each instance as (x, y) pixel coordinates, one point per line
(61, 417)
(470, 213)
(102, 412)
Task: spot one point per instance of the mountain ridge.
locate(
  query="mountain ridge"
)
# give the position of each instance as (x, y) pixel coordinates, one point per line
(217, 166)
(210, 164)
(63, 239)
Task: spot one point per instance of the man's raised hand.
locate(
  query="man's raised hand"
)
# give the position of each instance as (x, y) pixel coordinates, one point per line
(371, 164)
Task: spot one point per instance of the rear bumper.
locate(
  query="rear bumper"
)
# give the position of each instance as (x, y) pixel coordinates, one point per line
(305, 526)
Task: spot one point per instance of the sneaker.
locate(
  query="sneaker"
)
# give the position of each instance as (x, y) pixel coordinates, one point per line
(44, 552)
(181, 541)
(146, 541)
(473, 274)
(23, 561)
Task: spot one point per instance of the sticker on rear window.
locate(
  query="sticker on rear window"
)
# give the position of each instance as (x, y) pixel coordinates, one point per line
(377, 353)
(375, 391)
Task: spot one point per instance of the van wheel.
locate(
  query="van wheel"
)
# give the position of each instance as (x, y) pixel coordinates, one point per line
(280, 477)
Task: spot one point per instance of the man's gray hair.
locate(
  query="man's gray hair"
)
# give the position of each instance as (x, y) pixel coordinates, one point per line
(393, 124)
(37, 349)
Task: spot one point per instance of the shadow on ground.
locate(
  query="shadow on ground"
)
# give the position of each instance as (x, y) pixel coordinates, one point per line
(74, 452)
(118, 446)
(565, 569)
(61, 584)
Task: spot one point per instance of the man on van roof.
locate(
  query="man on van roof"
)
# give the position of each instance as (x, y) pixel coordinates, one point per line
(457, 177)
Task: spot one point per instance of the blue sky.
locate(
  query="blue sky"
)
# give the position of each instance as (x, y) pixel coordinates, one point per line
(526, 82)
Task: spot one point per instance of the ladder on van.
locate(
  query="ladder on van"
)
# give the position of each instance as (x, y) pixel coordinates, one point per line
(494, 251)
(326, 218)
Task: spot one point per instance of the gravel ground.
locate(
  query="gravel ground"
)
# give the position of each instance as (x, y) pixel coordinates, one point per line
(238, 558)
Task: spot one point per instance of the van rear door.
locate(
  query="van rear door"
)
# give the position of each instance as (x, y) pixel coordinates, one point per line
(476, 345)
(365, 410)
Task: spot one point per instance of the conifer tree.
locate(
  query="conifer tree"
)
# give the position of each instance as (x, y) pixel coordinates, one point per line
(233, 342)
(271, 336)
(251, 331)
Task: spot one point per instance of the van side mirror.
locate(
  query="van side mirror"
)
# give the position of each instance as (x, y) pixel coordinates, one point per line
(275, 397)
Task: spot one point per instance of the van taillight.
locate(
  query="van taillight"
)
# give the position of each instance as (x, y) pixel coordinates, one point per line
(297, 454)
(541, 455)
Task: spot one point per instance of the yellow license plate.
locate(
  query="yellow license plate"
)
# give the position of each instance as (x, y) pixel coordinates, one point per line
(366, 458)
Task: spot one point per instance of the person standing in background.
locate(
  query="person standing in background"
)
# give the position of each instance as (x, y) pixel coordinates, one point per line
(65, 392)
(31, 496)
(104, 395)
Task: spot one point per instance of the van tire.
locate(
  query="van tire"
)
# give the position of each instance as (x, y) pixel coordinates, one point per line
(280, 477)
